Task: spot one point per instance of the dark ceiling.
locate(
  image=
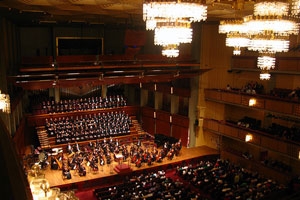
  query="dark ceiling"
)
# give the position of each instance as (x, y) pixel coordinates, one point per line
(26, 12)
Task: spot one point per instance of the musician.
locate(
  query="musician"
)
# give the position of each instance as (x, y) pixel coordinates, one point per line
(66, 172)
(81, 170)
(54, 164)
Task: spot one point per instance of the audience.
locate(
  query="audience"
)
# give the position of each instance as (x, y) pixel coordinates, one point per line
(224, 180)
(152, 185)
(208, 180)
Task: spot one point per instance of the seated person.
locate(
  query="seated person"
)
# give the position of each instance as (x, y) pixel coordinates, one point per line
(66, 172)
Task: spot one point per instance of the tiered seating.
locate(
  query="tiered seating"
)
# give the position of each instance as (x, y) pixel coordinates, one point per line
(224, 180)
(153, 185)
(81, 104)
(88, 127)
(215, 179)
(43, 137)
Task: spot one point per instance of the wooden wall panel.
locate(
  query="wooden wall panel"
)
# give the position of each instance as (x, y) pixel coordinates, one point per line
(211, 124)
(293, 150)
(244, 62)
(163, 116)
(148, 124)
(268, 143)
(287, 64)
(180, 121)
(279, 106)
(230, 131)
(212, 94)
(37, 61)
(242, 134)
(163, 127)
(180, 132)
(19, 139)
(296, 110)
(147, 111)
(260, 103)
(232, 97)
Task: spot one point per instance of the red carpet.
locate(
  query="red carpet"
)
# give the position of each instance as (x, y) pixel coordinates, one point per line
(86, 195)
(122, 168)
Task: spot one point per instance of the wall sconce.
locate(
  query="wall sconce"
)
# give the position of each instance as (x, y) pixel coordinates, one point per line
(4, 102)
(54, 64)
(299, 155)
(252, 102)
(248, 138)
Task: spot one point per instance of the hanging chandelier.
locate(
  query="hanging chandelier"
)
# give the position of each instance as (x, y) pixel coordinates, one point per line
(237, 41)
(170, 35)
(295, 7)
(173, 10)
(266, 62)
(170, 51)
(264, 75)
(167, 33)
(236, 34)
(171, 21)
(268, 44)
(269, 29)
(4, 102)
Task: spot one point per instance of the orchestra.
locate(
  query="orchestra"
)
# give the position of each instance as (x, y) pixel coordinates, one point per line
(100, 130)
(78, 157)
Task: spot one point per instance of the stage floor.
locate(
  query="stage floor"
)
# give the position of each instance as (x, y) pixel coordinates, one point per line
(55, 178)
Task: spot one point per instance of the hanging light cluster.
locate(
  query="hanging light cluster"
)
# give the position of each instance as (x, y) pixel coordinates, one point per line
(267, 31)
(171, 21)
(237, 35)
(4, 102)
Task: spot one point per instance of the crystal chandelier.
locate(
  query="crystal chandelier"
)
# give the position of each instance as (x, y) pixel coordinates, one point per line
(172, 10)
(266, 44)
(269, 29)
(264, 75)
(4, 102)
(170, 51)
(266, 62)
(170, 35)
(167, 33)
(237, 41)
(236, 33)
(171, 21)
(295, 7)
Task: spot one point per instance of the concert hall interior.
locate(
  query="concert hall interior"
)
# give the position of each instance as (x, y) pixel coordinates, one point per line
(91, 109)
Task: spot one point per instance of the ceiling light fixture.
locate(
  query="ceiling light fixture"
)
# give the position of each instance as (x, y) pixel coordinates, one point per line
(171, 21)
(236, 34)
(295, 7)
(4, 102)
(267, 30)
(173, 11)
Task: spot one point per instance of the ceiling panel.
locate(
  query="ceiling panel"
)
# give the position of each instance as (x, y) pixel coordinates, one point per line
(106, 10)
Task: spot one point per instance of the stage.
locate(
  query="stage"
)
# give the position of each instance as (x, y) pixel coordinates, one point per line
(117, 171)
